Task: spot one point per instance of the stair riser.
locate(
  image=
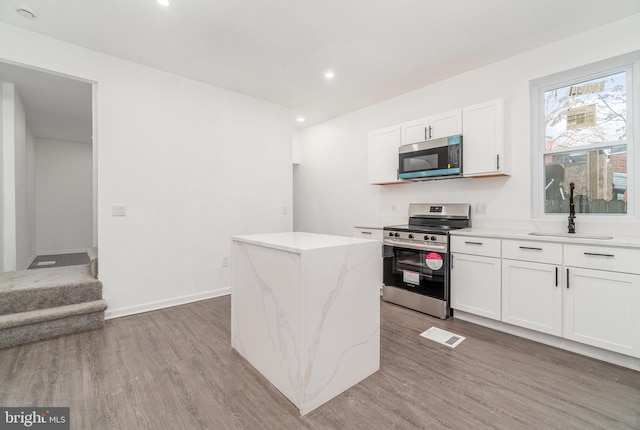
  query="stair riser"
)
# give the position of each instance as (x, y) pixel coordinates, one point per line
(50, 329)
(42, 298)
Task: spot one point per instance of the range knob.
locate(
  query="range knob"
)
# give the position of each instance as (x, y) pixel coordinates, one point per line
(391, 234)
(397, 234)
(426, 238)
(433, 238)
(410, 236)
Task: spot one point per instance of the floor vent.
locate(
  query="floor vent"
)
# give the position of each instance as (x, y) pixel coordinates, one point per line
(46, 263)
(442, 336)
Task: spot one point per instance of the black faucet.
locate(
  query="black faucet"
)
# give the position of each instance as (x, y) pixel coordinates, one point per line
(572, 210)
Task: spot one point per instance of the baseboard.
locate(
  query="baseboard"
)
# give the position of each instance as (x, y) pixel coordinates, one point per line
(162, 304)
(31, 260)
(64, 251)
(566, 344)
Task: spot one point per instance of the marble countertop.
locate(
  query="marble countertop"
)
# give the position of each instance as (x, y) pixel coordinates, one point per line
(298, 241)
(627, 241)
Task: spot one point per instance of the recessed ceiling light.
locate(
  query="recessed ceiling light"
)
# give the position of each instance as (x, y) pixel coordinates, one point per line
(164, 3)
(300, 119)
(329, 74)
(25, 12)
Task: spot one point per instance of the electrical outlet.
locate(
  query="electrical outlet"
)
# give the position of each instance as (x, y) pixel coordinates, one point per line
(118, 210)
(225, 261)
(481, 208)
(285, 210)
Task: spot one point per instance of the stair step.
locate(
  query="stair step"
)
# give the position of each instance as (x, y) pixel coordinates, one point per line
(25, 327)
(30, 290)
(50, 314)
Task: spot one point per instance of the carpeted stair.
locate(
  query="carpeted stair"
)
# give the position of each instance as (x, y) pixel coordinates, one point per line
(44, 303)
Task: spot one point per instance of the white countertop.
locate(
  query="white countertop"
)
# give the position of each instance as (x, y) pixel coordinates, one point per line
(627, 241)
(298, 241)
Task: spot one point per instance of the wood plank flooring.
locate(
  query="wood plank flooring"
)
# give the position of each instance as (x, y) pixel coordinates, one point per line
(72, 259)
(174, 369)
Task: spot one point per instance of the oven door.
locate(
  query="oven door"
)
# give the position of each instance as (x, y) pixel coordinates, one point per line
(421, 271)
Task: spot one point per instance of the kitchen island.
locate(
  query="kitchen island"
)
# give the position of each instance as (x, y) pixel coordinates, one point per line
(305, 311)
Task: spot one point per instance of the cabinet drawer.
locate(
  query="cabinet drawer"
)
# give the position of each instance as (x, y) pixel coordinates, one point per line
(368, 233)
(602, 258)
(476, 246)
(526, 250)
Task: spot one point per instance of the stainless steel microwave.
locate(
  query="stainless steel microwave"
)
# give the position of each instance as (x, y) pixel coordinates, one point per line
(432, 159)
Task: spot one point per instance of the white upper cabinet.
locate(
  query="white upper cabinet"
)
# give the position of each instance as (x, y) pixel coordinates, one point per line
(483, 140)
(415, 131)
(446, 124)
(433, 127)
(383, 155)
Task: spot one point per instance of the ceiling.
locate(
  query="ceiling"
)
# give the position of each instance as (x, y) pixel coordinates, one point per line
(56, 107)
(279, 50)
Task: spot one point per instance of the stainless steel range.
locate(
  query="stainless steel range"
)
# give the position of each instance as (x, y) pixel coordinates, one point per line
(416, 257)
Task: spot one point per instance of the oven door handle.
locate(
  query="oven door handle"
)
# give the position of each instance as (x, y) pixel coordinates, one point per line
(419, 247)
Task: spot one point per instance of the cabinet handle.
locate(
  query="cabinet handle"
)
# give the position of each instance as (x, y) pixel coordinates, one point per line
(531, 248)
(425, 134)
(429, 132)
(567, 278)
(452, 261)
(474, 243)
(556, 276)
(497, 161)
(366, 232)
(599, 255)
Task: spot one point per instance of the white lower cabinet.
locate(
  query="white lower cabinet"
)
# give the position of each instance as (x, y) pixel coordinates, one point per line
(531, 285)
(532, 296)
(372, 233)
(475, 284)
(603, 309)
(585, 293)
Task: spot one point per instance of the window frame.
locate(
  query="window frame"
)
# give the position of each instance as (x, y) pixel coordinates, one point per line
(629, 63)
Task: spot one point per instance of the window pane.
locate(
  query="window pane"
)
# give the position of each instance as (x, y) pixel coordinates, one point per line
(585, 113)
(599, 175)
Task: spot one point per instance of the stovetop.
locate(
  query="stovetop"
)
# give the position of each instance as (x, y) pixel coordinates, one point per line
(431, 229)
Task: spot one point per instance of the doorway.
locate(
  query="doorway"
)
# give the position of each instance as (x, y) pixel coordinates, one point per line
(48, 199)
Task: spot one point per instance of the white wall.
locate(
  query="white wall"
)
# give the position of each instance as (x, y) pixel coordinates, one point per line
(23, 229)
(17, 220)
(30, 240)
(331, 190)
(9, 176)
(193, 163)
(2, 173)
(64, 197)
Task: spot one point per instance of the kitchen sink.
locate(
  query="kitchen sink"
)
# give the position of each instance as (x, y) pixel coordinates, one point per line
(570, 235)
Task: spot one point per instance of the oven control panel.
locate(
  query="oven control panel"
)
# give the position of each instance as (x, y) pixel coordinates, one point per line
(420, 237)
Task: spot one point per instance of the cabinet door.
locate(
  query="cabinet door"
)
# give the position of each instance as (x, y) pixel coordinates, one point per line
(475, 285)
(532, 296)
(603, 309)
(383, 155)
(415, 131)
(446, 124)
(483, 139)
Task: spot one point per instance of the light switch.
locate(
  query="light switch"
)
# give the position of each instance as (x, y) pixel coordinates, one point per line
(118, 210)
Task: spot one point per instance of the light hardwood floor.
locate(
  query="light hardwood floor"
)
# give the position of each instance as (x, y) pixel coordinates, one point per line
(174, 369)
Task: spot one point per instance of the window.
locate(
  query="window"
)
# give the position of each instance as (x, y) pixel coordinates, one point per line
(583, 135)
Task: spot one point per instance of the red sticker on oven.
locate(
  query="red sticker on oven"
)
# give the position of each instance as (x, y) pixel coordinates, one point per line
(434, 261)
